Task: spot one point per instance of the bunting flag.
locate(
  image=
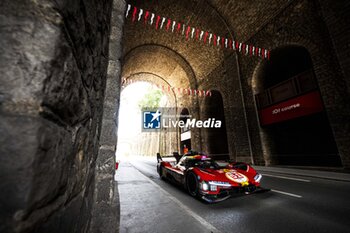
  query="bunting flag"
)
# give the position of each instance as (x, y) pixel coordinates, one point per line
(136, 14)
(179, 90)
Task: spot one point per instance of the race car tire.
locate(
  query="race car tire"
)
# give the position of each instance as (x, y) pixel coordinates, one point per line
(192, 184)
(161, 172)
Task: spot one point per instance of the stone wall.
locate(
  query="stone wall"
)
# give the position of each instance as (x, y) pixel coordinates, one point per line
(336, 16)
(53, 65)
(105, 214)
(300, 23)
(319, 26)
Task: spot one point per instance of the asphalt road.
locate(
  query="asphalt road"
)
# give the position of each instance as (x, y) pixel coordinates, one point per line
(294, 204)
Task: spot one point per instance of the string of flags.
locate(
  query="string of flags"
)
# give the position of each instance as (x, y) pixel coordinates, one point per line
(179, 90)
(189, 32)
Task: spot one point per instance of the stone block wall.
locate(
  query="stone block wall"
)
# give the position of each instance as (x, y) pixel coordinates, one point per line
(300, 23)
(53, 65)
(321, 27)
(247, 17)
(336, 16)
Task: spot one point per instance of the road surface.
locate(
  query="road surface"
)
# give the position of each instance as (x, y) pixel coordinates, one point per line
(294, 204)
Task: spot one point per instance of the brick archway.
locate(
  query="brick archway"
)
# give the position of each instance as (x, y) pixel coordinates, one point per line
(283, 141)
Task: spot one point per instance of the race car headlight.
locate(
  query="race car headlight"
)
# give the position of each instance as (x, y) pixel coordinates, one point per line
(220, 183)
(204, 186)
(257, 177)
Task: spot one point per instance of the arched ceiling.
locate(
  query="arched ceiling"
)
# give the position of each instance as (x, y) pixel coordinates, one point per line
(201, 58)
(246, 17)
(156, 80)
(160, 61)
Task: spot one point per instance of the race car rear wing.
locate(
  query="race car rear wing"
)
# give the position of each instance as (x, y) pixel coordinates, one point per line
(175, 155)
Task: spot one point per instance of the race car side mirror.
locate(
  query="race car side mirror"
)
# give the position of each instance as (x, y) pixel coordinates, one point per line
(159, 158)
(177, 156)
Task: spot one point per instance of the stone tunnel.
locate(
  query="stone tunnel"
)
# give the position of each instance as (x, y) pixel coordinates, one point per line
(63, 63)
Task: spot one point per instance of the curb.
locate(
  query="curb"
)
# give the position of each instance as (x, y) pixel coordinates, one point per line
(338, 176)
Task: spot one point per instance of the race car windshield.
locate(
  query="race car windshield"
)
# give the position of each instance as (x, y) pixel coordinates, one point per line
(222, 164)
(211, 164)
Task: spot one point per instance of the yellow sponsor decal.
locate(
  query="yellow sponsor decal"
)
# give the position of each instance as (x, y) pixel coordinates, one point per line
(237, 177)
(245, 183)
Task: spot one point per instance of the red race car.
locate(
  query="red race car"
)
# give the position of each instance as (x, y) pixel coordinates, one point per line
(206, 178)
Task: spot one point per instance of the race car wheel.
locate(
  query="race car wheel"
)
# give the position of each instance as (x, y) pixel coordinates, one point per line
(192, 184)
(161, 172)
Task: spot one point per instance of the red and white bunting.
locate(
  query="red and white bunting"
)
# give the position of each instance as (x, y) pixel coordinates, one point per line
(178, 90)
(189, 32)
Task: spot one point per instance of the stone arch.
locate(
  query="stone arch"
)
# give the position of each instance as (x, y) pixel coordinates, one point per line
(182, 11)
(167, 140)
(230, 111)
(214, 108)
(171, 66)
(152, 79)
(283, 142)
(148, 50)
(300, 42)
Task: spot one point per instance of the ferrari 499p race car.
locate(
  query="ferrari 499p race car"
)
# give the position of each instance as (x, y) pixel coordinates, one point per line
(205, 178)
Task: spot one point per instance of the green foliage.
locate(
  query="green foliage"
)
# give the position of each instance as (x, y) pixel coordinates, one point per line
(151, 100)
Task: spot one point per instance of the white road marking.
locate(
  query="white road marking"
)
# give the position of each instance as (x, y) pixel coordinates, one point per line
(285, 193)
(185, 208)
(285, 177)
